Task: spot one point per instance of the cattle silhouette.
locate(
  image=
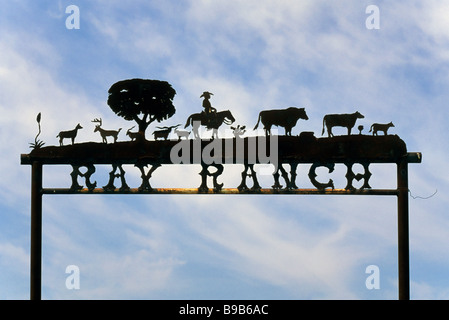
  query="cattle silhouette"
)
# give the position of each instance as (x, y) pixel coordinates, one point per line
(346, 120)
(286, 118)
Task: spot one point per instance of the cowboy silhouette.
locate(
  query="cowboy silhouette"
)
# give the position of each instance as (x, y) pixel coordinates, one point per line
(208, 109)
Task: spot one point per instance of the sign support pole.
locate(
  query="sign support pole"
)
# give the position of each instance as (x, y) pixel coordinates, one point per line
(36, 231)
(403, 230)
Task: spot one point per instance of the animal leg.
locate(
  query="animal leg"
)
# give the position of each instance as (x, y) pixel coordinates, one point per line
(195, 131)
(267, 131)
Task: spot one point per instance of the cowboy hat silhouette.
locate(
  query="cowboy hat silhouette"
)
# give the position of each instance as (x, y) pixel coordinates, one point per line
(206, 94)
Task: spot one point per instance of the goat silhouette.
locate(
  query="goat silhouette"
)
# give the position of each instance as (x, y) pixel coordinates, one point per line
(71, 134)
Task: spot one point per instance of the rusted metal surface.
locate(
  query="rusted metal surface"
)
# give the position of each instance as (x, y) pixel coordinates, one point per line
(300, 149)
(235, 191)
(148, 156)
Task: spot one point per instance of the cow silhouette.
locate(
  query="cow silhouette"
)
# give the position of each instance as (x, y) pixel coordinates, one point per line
(286, 118)
(346, 120)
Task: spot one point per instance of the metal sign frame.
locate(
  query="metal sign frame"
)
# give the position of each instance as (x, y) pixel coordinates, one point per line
(303, 149)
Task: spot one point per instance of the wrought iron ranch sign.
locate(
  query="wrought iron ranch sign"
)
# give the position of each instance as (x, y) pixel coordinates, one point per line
(146, 101)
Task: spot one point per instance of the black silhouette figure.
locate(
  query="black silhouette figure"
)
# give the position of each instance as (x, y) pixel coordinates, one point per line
(68, 135)
(209, 111)
(380, 127)
(209, 117)
(132, 135)
(37, 143)
(163, 132)
(213, 123)
(286, 118)
(206, 103)
(238, 131)
(143, 101)
(360, 129)
(340, 120)
(106, 133)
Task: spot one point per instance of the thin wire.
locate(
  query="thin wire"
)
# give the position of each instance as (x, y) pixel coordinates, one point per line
(419, 197)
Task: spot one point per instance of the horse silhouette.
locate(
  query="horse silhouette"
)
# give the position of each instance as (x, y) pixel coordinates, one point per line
(211, 120)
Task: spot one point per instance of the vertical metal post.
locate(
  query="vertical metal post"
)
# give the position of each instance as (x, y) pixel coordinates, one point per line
(403, 231)
(36, 232)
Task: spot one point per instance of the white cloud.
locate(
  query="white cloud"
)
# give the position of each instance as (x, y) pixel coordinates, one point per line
(13, 256)
(271, 245)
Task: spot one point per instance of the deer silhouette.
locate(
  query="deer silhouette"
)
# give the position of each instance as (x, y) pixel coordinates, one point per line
(71, 134)
(106, 133)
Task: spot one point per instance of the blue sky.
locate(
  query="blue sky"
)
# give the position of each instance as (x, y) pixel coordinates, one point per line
(253, 55)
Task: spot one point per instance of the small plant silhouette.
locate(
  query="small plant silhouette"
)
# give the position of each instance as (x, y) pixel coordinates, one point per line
(238, 131)
(360, 129)
(37, 143)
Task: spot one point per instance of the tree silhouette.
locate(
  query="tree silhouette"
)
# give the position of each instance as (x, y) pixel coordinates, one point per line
(142, 100)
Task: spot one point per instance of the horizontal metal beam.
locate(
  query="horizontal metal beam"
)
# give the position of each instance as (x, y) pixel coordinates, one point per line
(375, 192)
(252, 150)
(414, 157)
